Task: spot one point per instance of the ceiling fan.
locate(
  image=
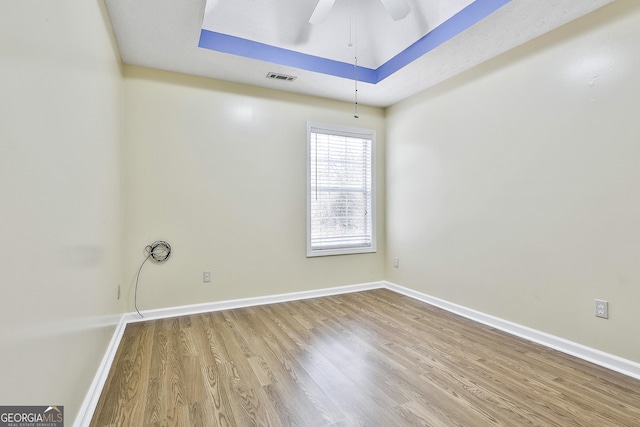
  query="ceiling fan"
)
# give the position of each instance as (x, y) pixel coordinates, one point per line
(398, 9)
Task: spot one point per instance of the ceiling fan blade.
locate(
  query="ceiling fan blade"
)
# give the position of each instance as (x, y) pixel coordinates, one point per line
(321, 11)
(398, 9)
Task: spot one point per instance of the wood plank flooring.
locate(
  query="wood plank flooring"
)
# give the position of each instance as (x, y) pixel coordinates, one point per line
(373, 358)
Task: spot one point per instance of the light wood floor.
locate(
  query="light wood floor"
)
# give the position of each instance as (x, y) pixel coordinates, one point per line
(373, 358)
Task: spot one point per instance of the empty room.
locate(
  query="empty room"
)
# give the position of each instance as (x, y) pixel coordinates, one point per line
(320, 212)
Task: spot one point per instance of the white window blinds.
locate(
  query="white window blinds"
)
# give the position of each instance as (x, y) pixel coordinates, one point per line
(340, 193)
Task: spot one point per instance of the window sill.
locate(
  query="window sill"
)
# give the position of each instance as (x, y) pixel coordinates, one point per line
(343, 251)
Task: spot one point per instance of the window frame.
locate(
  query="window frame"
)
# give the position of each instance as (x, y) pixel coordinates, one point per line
(370, 134)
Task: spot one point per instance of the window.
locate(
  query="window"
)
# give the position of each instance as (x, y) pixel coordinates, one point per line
(340, 190)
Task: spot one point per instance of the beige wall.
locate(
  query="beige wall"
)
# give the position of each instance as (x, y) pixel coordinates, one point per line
(60, 208)
(514, 189)
(219, 171)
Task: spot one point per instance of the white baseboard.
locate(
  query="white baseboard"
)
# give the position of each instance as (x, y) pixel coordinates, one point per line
(597, 357)
(163, 313)
(609, 361)
(93, 395)
(91, 399)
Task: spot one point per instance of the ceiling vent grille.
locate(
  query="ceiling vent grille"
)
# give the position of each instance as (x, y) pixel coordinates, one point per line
(283, 77)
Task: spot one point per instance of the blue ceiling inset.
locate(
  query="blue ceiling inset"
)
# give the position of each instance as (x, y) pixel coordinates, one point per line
(276, 55)
(464, 19)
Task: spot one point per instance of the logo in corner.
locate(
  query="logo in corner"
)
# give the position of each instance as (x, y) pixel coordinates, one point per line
(32, 416)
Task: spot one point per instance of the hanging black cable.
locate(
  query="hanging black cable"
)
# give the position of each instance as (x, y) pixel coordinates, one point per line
(353, 42)
(355, 68)
(159, 251)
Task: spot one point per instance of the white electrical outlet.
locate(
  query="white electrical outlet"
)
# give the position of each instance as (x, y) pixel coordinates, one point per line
(206, 277)
(118, 291)
(602, 309)
(396, 262)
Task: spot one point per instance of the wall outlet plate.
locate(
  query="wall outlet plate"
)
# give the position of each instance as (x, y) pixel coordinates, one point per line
(602, 309)
(206, 276)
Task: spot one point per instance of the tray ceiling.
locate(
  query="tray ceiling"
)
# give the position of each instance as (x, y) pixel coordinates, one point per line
(244, 40)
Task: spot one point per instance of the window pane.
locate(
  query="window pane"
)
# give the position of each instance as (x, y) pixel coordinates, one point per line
(340, 192)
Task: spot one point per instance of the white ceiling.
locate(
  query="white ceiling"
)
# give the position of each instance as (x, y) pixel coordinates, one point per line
(166, 34)
(362, 23)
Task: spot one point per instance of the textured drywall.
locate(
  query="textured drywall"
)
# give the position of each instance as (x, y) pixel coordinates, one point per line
(513, 188)
(219, 171)
(60, 199)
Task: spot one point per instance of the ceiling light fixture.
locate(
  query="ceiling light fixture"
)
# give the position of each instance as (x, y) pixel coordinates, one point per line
(398, 9)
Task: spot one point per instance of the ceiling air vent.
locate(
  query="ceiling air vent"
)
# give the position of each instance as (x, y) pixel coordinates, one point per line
(283, 77)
